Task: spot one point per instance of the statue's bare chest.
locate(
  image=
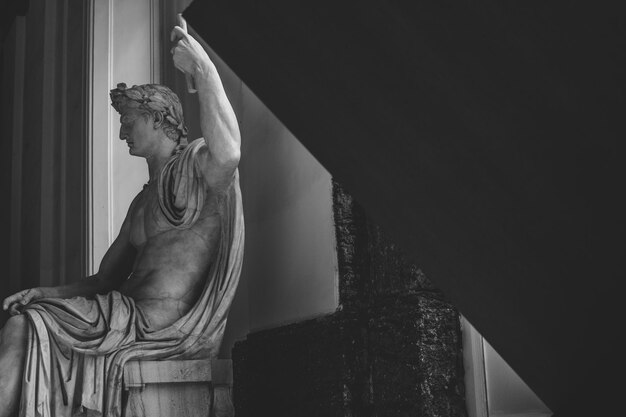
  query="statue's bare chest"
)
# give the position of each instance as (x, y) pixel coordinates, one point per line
(147, 219)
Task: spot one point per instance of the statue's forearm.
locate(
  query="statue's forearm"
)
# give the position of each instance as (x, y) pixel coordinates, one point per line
(217, 118)
(85, 287)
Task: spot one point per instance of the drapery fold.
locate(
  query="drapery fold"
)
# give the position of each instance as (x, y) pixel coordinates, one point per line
(77, 347)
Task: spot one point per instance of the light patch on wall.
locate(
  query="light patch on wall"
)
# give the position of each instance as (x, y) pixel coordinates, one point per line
(291, 257)
(507, 394)
(493, 388)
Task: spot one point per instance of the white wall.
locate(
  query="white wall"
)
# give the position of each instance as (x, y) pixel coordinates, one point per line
(125, 49)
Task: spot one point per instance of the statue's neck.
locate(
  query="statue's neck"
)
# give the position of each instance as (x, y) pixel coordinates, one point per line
(160, 155)
(155, 164)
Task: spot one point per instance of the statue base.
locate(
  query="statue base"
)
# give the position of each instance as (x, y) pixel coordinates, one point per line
(178, 388)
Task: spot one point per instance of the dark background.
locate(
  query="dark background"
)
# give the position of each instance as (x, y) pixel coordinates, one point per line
(485, 138)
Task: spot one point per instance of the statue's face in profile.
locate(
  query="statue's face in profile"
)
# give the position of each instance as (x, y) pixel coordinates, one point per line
(139, 133)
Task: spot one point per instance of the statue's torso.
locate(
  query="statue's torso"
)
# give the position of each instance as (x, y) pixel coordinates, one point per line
(171, 264)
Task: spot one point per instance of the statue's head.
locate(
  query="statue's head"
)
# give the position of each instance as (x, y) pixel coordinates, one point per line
(155, 102)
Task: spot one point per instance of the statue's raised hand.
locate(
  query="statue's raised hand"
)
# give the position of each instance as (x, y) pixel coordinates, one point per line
(188, 55)
(17, 301)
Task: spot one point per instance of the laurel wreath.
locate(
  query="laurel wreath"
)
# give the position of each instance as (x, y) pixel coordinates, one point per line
(148, 97)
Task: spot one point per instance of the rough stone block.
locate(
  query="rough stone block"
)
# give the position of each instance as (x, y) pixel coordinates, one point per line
(390, 361)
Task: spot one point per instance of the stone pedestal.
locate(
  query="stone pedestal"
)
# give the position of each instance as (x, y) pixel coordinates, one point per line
(403, 360)
(186, 388)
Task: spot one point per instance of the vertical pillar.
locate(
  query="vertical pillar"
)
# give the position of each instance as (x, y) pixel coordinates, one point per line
(62, 139)
(31, 172)
(50, 109)
(16, 154)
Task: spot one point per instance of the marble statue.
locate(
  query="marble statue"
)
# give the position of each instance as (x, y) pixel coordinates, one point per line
(164, 287)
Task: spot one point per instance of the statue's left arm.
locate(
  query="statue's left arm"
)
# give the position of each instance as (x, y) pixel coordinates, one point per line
(217, 118)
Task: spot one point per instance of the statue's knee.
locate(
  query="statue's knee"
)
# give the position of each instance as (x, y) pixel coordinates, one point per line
(15, 329)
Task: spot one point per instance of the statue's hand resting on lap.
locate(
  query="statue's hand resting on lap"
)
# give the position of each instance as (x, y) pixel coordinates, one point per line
(17, 301)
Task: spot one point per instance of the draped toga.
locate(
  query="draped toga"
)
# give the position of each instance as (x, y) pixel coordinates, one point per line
(77, 347)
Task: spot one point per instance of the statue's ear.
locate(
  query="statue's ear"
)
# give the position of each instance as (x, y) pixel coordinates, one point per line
(158, 119)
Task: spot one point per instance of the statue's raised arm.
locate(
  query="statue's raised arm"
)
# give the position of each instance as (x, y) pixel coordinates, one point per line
(217, 118)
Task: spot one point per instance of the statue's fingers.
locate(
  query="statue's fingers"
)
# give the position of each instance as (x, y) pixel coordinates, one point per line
(178, 58)
(178, 33)
(13, 310)
(180, 67)
(177, 50)
(30, 296)
(9, 300)
(25, 297)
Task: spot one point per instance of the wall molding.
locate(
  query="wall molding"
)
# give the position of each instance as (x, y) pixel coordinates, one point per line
(49, 148)
(155, 44)
(475, 377)
(61, 252)
(17, 151)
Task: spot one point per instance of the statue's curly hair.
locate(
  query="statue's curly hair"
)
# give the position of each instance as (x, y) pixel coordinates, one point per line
(157, 102)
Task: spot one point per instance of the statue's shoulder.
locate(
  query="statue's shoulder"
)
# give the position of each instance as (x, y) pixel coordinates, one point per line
(196, 145)
(182, 191)
(185, 161)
